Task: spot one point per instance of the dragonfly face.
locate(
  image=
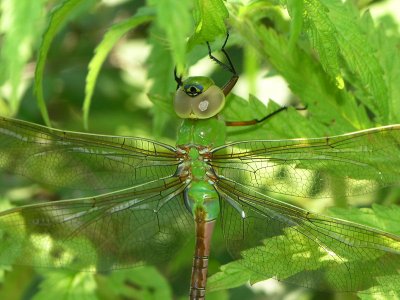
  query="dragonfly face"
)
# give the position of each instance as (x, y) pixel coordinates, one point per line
(198, 98)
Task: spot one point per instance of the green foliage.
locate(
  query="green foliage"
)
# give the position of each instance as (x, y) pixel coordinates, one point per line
(235, 273)
(169, 20)
(20, 25)
(210, 16)
(110, 39)
(124, 284)
(67, 285)
(381, 217)
(58, 18)
(338, 60)
(333, 25)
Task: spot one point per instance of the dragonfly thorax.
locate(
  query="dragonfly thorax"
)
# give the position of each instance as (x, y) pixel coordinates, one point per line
(194, 164)
(198, 98)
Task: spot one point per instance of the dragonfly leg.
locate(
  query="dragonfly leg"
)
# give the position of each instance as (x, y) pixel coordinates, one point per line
(256, 121)
(229, 67)
(178, 79)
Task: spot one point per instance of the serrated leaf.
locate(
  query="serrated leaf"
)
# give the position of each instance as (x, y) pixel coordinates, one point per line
(288, 123)
(322, 34)
(210, 21)
(239, 109)
(330, 106)
(57, 19)
(232, 275)
(112, 36)
(334, 28)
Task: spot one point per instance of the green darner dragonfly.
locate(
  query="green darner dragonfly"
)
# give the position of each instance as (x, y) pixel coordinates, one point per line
(162, 194)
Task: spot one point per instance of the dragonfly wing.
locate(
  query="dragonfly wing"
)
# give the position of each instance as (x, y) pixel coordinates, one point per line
(362, 161)
(146, 223)
(81, 161)
(279, 240)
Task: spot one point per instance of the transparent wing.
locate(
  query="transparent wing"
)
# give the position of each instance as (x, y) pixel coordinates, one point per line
(146, 223)
(81, 161)
(278, 240)
(349, 164)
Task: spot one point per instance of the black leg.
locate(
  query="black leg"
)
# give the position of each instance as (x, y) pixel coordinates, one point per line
(178, 79)
(229, 67)
(252, 122)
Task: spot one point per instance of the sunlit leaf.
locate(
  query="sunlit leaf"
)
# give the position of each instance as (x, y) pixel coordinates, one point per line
(67, 285)
(21, 24)
(211, 16)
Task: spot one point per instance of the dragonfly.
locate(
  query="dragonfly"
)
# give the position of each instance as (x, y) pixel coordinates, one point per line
(153, 196)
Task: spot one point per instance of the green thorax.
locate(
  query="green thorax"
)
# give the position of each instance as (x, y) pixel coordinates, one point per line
(204, 132)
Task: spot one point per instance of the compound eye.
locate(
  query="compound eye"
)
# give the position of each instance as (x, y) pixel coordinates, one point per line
(193, 90)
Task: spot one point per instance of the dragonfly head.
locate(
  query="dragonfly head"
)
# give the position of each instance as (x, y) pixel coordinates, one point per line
(198, 98)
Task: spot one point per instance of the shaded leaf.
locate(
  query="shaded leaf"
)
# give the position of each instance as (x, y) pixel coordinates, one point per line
(58, 17)
(144, 283)
(110, 39)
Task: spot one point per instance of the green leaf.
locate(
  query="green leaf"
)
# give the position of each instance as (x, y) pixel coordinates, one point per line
(17, 281)
(144, 283)
(67, 285)
(161, 72)
(379, 216)
(57, 19)
(322, 34)
(102, 50)
(239, 109)
(20, 25)
(174, 20)
(295, 9)
(232, 275)
(332, 107)
(210, 16)
(385, 40)
(161, 103)
(279, 257)
(218, 295)
(334, 28)
(373, 294)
